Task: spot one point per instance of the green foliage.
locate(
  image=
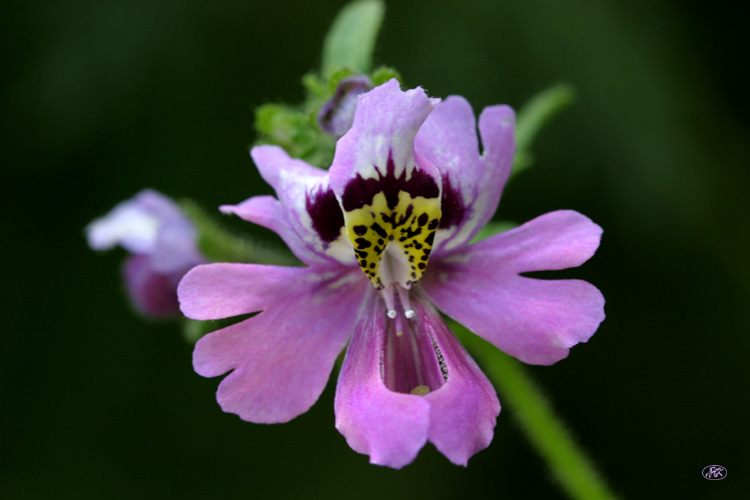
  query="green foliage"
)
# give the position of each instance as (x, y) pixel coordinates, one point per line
(533, 116)
(351, 40)
(296, 128)
(219, 245)
(526, 402)
(384, 74)
(347, 51)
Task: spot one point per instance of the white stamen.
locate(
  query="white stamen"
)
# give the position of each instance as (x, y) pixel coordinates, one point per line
(392, 313)
(404, 296)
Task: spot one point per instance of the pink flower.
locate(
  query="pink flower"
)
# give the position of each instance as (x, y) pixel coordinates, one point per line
(162, 242)
(385, 239)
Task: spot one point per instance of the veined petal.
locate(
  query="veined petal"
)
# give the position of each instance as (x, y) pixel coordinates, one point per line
(392, 369)
(472, 184)
(535, 320)
(216, 291)
(390, 198)
(390, 427)
(306, 198)
(281, 358)
(464, 410)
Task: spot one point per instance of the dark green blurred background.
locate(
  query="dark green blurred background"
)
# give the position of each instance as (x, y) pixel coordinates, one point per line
(101, 99)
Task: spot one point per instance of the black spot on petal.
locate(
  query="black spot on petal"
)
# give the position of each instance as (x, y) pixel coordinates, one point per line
(381, 232)
(362, 243)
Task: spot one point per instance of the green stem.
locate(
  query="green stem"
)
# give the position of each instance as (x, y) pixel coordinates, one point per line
(568, 462)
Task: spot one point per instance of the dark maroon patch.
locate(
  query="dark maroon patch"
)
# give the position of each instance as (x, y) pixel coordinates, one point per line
(325, 212)
(360, 192)
(451, 205)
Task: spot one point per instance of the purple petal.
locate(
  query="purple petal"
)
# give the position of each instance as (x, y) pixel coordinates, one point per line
(152, 294)
(215, 291)
(384, 127)
(280, 359)
(336, 115)
(389, 426)
(149, 224)
(389, 197)
(378, 408)
(308, 202)
(472, 184)
(463, 411)
(535, 320)
(266, 211)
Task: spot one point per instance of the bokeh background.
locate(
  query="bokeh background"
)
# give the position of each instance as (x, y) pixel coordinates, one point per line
(101, 99)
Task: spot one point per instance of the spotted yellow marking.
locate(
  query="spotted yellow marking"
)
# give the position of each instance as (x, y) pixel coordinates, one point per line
(409, 229)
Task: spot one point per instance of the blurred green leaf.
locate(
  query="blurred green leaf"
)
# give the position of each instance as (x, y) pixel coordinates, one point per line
(351, 40)
(219, 245)
(533, 116)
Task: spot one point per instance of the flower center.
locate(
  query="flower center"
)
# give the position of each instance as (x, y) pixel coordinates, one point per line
(392, 236)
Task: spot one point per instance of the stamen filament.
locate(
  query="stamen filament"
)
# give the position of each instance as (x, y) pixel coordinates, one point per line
(403, 295)
(389, 303)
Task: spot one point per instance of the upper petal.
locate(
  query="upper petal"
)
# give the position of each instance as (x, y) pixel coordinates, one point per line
(281, 358)
(385, 123)
(306, 201)
(390, 197)
(266, 211)
(472, 184)
(535, 320)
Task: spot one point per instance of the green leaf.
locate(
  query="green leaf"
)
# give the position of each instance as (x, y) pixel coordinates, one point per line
(219, 245)
(534, 115)
(351, 40)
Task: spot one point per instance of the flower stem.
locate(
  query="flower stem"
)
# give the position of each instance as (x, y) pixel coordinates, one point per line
(568, 462)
